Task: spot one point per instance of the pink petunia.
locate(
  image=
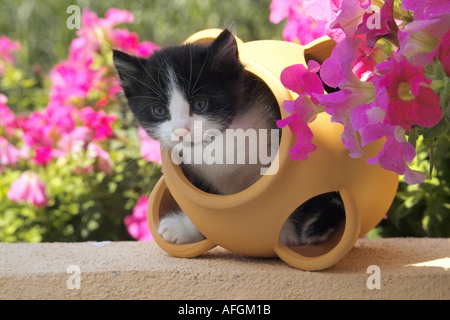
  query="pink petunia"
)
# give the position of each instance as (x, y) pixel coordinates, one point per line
(38, 131)
(326, 11)
(395, 155)
(150, 148)
(116, 16)
(305, 82)
(340, 105)
(349, 16)
(337, 68)
(7, 47)
(71, 80)
(136, 223)
(426, 9)
(43, 155)
(98, 121)
(7, 117)
(337, 71)
(297, 21)
(387, 29)
(29, 188)
(410, 100)
(442, 52)
(301, 131)
(9, 154)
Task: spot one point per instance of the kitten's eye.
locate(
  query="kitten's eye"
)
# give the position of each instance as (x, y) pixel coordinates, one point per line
(159, 111)
(199, 105)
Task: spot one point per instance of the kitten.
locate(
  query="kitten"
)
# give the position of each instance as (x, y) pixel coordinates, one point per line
(178, 86)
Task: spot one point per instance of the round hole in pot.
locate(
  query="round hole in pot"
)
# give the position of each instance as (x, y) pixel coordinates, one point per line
(249, 148)
(319, 224)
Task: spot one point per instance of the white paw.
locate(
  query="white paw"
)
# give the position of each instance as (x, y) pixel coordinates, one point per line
(176, 227)
(288, 236)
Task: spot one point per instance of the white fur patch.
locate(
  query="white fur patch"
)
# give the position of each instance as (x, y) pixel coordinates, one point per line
(176, 227)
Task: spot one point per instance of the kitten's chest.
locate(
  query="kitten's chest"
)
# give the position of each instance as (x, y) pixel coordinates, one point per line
(233, 161)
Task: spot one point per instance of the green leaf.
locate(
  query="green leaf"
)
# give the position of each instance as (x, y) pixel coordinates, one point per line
(437, 131)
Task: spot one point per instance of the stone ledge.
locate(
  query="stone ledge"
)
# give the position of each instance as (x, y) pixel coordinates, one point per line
(410, 268)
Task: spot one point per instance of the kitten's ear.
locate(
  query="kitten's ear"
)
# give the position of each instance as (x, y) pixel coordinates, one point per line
(127, 67)
(224, 50)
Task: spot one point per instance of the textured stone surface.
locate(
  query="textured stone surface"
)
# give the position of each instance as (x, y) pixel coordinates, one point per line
(409, 269)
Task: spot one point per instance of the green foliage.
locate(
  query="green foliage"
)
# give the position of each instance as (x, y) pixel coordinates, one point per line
(87, 206)
(40, 25)
(422, 210)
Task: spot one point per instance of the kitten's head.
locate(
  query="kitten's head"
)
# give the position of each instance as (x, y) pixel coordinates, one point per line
(178, 85)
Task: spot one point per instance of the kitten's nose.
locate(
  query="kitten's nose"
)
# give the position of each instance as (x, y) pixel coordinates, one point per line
(181, 134)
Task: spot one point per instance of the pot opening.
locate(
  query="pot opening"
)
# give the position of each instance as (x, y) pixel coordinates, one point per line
(243, 153)
(316, 226)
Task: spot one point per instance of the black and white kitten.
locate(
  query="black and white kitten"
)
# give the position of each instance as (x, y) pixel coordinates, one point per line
(179, 85)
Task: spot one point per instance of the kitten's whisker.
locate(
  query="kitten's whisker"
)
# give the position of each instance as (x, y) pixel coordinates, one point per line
(200, 73)
(190, 70)
(199, 88)
(143, 83)
(151, 77)
(144, 97)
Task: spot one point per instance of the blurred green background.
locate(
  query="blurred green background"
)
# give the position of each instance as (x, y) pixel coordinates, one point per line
(40, 25)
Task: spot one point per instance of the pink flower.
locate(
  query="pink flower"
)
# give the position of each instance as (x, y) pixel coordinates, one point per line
(349, 16)
(71, 80)
(338, 67)
(303, 146)
(150, 148)
(326, 11)
(29, 188)
(137, 224)
(426, 9)
(129, 42)
(410, 100)
(419, 38)
(43, 155)
(145, 49)
(7, 47)
(304, 82)
(9, 155)
(394, 156)
(442, 52)
(116, 16)
(125, 40)
(7, 118)
(340, 105)
(297, 22)
(368, 120)
(61, 116)
(365, 60)
(336, 71)
(38, 131)
(388, 27)
(99, 122)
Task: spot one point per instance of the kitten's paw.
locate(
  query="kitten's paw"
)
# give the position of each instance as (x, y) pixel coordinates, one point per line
(288, 235)
(176, 227)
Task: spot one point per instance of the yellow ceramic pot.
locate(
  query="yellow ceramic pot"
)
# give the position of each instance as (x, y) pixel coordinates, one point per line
(249, 222)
